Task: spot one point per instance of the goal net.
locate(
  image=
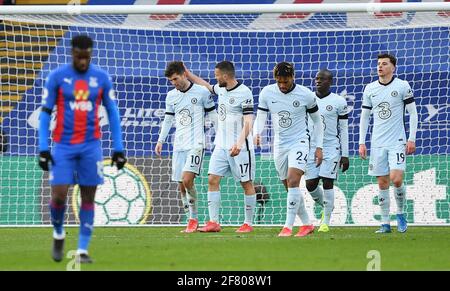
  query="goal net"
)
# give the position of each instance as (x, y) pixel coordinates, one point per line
(135, 49)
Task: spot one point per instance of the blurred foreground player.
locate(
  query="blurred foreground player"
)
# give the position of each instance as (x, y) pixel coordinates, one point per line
(77, 90)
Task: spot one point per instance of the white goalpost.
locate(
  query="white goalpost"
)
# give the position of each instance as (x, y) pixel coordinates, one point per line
(134, 43)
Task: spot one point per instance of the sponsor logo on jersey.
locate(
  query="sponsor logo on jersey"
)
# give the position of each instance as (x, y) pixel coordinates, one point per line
(81, 106)
(81, 93)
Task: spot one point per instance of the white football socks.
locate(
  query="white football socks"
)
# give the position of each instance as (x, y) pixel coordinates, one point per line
(293, 200)
(317, 195)
(192, 202)
(214, 205)
(400, 198)
(250, 205)
(384, 202)
(328, 205)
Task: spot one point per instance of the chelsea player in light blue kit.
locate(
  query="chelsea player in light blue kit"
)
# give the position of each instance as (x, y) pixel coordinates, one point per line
(77, 90)
(233, 152)
(387, 98)
(333, 111)
(290, 105)
(187, 104)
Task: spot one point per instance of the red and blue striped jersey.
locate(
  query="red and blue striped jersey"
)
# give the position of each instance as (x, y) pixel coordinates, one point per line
(77, 97)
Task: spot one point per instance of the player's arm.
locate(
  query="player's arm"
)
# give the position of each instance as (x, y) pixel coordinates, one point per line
(343, 131)
(246, 129)
(199, 81)
(247, 111)
(109, 101)
(313, 110)
(212, 115)
(166, 125)
(261, 118)
(49, 94)
(210, 109)
(410, 106)
(364, 124)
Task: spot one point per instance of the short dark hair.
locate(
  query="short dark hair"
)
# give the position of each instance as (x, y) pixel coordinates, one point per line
(175, 67)
(326, 71)
(82, 42)
(226, 67)
(283, 69)
(388, 56)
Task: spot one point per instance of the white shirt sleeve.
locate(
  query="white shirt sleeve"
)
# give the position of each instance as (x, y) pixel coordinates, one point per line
(366, 101)
(165, 127)
(247, 104)
(313, 110)
(167, 122)
(262, 113)
(413, 120)
(343, 127)
(364, 125)
(318, 128)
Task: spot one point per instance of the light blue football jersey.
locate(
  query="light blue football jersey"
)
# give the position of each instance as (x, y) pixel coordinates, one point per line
(288, 112)
(189, 109)
(331, 108)
(387, 102)
(233, 104)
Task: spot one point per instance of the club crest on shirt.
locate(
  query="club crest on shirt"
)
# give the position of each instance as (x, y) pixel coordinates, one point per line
(329, 107)
(296, 103)
(394, 93)
(231, 100)
(194, 100)
(93, 82)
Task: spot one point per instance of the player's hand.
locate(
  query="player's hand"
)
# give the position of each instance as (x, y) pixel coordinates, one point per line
(410, 147)
(188, 73)
(257, 140)
(344, 164)
(235, 150)
(45, 158)
(318, 155)
(363, 151)
(119, 159)
(158, 148)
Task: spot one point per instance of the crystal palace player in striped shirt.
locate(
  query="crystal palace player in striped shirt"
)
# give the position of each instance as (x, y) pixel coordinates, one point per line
(77, 90)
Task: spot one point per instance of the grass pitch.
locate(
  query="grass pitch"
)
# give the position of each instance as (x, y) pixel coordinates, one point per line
(165, 248)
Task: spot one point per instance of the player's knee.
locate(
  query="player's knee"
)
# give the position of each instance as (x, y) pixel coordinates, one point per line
(397, 181)
(59, 195)
(383, 183)
(311, 185)
(328, 184)
(213, 181)
(188, 182)
(58, 200)
(397, 178)
(88, 193)
(248, 187)
(293, 182)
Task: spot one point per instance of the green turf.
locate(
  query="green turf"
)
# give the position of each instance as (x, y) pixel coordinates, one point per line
(156, 248)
